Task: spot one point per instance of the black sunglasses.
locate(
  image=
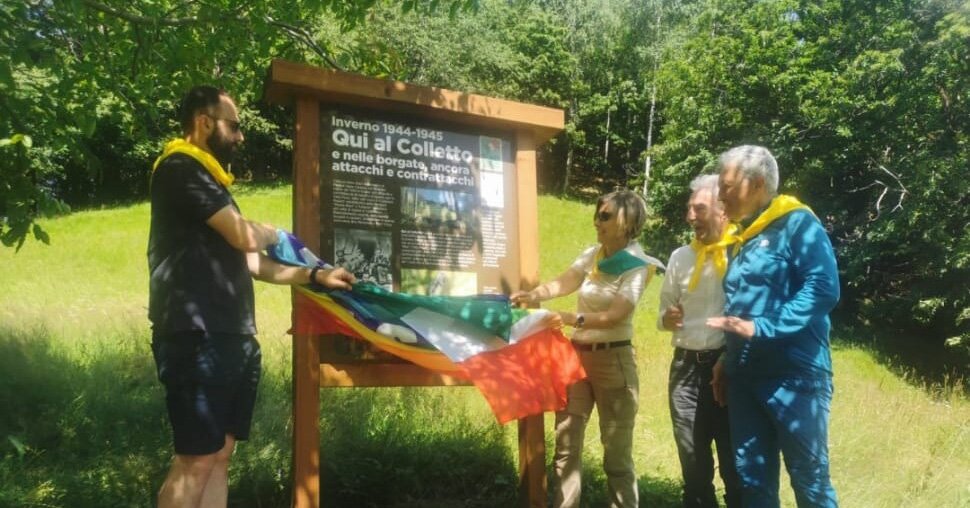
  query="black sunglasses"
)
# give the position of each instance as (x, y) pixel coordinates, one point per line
(233, 125)
(603, 216)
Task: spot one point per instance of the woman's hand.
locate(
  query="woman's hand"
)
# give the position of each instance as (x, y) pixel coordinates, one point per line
(552, 319)
(525, 298)
(568, 318)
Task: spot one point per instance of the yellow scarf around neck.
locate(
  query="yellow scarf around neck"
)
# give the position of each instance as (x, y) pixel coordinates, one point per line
(780, 205)
(717, 251)
(203, 157)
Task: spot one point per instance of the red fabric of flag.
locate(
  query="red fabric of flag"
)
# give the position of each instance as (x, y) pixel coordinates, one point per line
(312, 319)
(528, 377)
(519, 380)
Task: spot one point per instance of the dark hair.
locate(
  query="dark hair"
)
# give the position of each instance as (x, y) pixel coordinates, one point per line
(199, 98)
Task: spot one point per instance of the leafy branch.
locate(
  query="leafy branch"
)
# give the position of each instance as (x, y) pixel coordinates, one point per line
(886, 188)
(299, 34)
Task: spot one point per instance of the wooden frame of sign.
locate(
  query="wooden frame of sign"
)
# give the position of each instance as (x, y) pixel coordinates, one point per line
(315, 365)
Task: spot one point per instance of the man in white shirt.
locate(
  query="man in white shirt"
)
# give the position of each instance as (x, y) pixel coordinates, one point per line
(692, 292)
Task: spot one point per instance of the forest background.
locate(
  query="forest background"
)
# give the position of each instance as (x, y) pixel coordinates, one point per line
(865, 103)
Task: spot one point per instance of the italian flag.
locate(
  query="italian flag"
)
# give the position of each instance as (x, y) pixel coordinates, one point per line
(521, 365)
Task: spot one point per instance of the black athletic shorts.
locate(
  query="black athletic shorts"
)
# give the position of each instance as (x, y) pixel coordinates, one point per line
(210, 387)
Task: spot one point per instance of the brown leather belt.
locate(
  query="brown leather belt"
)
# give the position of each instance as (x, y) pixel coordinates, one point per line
(596, 346)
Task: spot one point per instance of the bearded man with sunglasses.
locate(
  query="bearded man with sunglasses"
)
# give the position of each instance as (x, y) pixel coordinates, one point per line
(202, 257)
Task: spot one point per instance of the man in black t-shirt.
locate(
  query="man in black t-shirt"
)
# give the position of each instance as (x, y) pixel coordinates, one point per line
(202, 257)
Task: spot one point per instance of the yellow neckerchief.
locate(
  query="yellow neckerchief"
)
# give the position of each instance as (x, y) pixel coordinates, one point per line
(717, 252)
(780, 205)
(205, 158)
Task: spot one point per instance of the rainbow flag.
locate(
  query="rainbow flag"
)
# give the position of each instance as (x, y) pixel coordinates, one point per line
(520, 364)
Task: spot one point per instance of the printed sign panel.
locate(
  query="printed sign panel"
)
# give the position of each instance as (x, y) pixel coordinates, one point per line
(418, 206)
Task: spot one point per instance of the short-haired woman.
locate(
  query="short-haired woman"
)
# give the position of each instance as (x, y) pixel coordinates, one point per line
(610, 278)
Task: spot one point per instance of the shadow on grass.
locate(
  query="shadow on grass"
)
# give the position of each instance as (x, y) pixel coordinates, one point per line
(84, 425)
(924, 363)
(402, 447)
(655, 492)
(81, 425)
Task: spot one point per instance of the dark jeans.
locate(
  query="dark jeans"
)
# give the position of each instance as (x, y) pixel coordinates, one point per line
(698, 421)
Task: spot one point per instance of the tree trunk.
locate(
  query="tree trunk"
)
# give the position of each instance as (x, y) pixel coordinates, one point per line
(606, 144)
(649, 159)
(569, 150)
(653, 108)
(569, 166)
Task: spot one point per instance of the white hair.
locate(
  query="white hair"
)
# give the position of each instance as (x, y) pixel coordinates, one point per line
(705, 182)
(753, 161)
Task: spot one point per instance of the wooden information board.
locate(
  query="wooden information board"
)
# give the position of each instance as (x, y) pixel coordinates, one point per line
(417, 189)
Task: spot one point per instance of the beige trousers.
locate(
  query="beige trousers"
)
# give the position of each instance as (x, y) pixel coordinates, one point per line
(613, 386)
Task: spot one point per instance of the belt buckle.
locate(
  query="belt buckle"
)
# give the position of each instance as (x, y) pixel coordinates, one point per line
(710, 356)
(700, 357)
(596, 346)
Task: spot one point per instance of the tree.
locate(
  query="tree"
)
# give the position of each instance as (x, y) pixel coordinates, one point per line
(857, 100)
(91, 85)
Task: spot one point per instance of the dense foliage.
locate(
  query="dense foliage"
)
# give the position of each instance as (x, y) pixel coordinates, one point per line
(94, 84)
(865, 104)
(866, 107)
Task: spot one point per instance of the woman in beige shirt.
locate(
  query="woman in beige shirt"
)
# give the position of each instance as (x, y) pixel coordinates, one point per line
(610, 278)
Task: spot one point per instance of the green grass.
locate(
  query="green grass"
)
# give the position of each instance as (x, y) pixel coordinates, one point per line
(82, 420)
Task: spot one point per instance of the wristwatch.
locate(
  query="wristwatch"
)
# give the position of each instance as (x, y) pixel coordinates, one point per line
(580, 321)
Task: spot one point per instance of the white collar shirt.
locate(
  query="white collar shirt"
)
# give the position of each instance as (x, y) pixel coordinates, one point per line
(707, 300)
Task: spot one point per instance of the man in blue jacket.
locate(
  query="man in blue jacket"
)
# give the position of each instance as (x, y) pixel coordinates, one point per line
(780, 286)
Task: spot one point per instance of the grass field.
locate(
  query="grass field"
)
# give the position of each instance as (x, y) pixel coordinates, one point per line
(82, 420)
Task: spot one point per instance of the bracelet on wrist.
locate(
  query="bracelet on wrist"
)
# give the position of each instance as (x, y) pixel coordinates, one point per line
(313, 274)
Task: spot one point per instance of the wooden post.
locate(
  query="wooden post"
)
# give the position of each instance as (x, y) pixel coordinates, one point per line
(532, 444)
(306, 354)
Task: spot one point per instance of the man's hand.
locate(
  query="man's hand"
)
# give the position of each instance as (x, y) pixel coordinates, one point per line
(733, 324)
(336, 278)
(719, 384)
(673, 318)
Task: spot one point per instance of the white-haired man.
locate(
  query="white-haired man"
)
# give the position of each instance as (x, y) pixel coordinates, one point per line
(691, 294)
(779, 288)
